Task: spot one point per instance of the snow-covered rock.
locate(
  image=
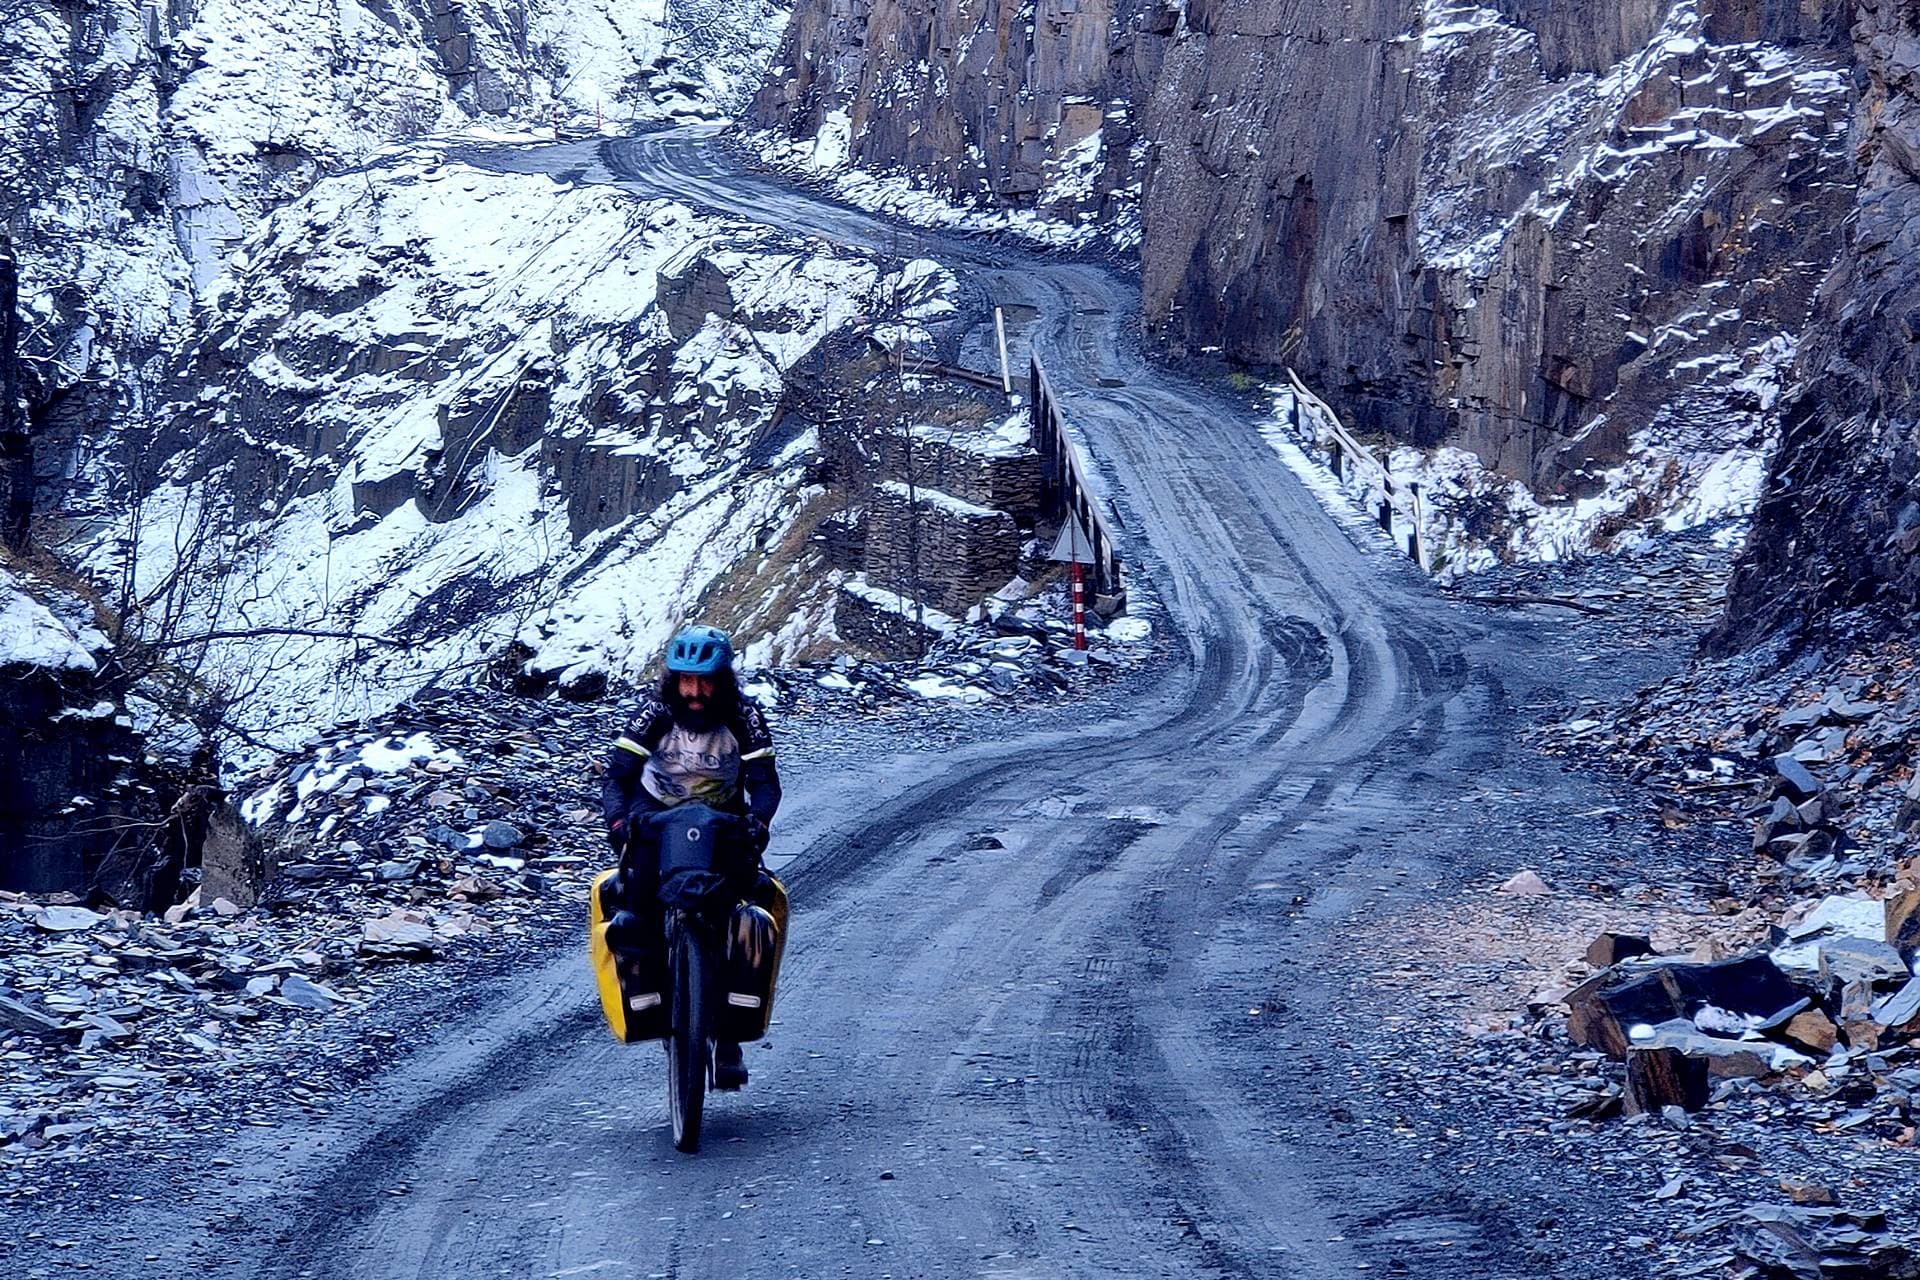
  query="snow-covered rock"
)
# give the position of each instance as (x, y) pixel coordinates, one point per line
(32, 636)
(141, 144)
(458, 412)
(66, 745)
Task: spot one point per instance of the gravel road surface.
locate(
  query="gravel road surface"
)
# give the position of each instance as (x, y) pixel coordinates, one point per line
(1020, 1030)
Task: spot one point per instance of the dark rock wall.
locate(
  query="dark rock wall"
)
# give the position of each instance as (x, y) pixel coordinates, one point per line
(1839, 527)
(70, 796)
(983, 98)
(1278, 210)
(47, 757)
(1529, 240)
(1530, 233)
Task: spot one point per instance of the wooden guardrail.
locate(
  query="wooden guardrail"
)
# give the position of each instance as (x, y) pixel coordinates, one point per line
(1064, 492)
(1396, 506)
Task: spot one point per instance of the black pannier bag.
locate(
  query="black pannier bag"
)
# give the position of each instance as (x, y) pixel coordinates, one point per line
(756, 939)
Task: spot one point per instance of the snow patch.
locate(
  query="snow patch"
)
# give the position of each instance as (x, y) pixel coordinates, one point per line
(32, 636)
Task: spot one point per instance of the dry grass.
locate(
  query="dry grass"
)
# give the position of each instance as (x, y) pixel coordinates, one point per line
(784, 577)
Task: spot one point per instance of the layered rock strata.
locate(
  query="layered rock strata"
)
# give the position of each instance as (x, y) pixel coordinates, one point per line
(1839, 526)
(1531, 230)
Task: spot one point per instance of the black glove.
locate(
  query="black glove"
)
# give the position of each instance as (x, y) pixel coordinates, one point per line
(757, 835)
(617, 834)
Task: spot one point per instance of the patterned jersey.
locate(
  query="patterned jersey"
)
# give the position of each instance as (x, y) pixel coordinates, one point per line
(681, 764)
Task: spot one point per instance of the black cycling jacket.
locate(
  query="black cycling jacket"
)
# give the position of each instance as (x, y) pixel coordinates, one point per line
(624, 792)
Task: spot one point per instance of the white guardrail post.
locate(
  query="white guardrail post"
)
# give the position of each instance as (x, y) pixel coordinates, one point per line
(1354, 461)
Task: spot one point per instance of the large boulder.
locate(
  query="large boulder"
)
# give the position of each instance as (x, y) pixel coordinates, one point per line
(66, 744)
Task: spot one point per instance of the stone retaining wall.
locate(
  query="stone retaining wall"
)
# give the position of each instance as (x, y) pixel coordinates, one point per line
(953, 552)
(969, 468)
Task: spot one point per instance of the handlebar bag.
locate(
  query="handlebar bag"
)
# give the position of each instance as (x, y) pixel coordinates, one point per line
(706, 861)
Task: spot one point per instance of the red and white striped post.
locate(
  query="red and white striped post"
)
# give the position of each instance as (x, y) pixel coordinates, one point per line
(1079, 607)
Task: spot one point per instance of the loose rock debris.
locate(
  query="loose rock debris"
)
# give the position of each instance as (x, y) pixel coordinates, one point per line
(1682, 863)
(1022, 655)
(111, 1017)
(462, 828)
(1812, 769)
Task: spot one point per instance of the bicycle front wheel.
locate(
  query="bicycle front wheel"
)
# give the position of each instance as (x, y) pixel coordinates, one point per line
(687, 1042)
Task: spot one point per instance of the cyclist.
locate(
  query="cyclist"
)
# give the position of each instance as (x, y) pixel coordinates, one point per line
(696, 738)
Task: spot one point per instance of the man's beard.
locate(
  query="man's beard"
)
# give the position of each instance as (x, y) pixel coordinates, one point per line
(699, 719)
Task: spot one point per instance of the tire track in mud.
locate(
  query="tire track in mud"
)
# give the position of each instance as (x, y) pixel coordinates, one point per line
(1324, 690)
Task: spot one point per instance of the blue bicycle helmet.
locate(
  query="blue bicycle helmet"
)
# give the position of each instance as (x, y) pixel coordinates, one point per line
(700, 651)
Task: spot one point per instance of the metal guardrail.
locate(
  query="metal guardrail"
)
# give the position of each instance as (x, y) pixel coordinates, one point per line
(1064, 492)
(1396, 506)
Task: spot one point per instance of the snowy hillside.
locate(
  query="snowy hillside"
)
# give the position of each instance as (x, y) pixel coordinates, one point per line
(453, 409)
(140, 144)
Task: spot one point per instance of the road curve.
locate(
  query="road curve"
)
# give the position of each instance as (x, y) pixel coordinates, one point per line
(1007, 1060)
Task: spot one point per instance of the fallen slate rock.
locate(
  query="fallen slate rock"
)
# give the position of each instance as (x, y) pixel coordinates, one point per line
(1603, 1010)
(1798, 784)
(1853, 915)
(1845, 960)
(66, 919)
(1900, 1008)
(1664, 1077)
(398, 938)
(1750, 984)
(70, 1129)
(1525, 884)
(24, 1017)
(474, 889)
(1803, 717)
(1812, 1030)
(501, 835)
(1611, 948)
(312, 872)
(1802, 1243)
(308, 995)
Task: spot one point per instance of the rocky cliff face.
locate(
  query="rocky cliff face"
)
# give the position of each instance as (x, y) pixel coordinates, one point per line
(1531, 230)
(65, 800)
(1839, 527)
(141, 143)
(1027, 103)
(459, 411)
